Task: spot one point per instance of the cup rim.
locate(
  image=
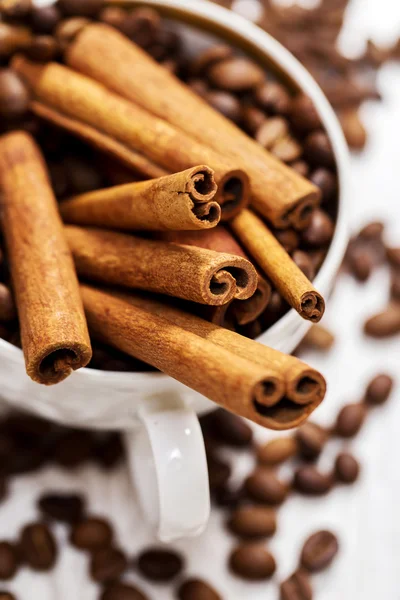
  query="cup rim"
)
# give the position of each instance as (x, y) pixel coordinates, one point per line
(269, 48)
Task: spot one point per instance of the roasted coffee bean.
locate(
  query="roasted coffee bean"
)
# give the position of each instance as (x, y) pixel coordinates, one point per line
(8, 311)
(225, 103)
(44, 19)
(142, 25)
(229, 429)
(277, 451)
(271, 131)
(273, 98)
(347, 468)
(209, 57)
(15, 9)
(395, 286)
(287, 149)
(253, 522)
(319, 551)
(252, 119)
(326, 181)
(350, 419)
(66, 508)
(7, 595)
(235, 74)
(311, 482)
(159, 565)
(304, 262)
(393, 256)
(264, 486)
(379, 389)
(319, 337)
(197, 589)
(13, 39)
(14, 96)
(9, 561)
(252, 562)
(122, 591)
(199, 87)
(318, 149)
(82, 8)
(91, 534)
(311, 440)
(319, 231)
(353, 129)
(301, 167)
(372, 231)
(38, 547)
(227, 497)
(288, 238)
(113, 15)
(109, 451)
(43, 48)
(385, 323)
(107, 565)
(360, 261)
(296, 587)
(303, 114)
(67, 30)
(73, 449)
(219, 471)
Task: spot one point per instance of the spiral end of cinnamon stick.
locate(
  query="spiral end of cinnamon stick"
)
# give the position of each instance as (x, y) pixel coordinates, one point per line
(234, 277)
(300, 216)
(309, 386)
(57, 363)
(312, 306)
(201, 185)
(247, 311)
(268, 392)
(284, 415)
(233, 193)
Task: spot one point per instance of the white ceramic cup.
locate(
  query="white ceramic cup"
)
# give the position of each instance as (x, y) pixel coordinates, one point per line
(163, 437)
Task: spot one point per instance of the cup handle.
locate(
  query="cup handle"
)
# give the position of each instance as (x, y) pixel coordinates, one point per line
(168, 465)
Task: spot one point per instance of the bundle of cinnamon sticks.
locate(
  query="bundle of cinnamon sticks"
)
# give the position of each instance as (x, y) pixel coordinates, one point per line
(162, 279)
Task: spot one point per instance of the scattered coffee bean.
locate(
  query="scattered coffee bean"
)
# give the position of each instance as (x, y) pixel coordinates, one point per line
(287, 149)
(359, 260)
(84, 8)
(385, 323)
(14, 96)
(113, 15)
(197, 589)
(219, 471)
(353, 129)
(347, 468)
(296, 587)
(68, 29)
(253, 522)
(38, 547)
(109, 451)
(318, 149)
(277, 451)
(44, 19)
(159, 565)
(43, 48)
(66, 508)
(301, 167)
(228, 497)
(252, 119)
(229, 429)
(273, 98)
(311, 482)
(252, 562)
(209, 57)
(7, 596)
(319, 231)
(288, 238)
(304, 262)
(327, 183)
(319, 551)
(91, 534)
(372, 231)
(264, 486)
(350, 419)
(303, 114)
(235, 74)
(395, 286)
(311, 440)
(107, 565)
(122, 591)
(73, 449)
(319, 337)
(225, 103)
(271, 131)
(15, 9)
(379, 389)
(393, 256)
(9, 561)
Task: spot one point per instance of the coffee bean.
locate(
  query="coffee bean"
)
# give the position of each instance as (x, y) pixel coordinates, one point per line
(318, 149)
(350, 419)
(159, 565)
(67, 30)
(304, 262)
(353, 129)
(395, 286)
(319, 551)
(288, 238)
(66, 508)
(253, 522)
(347, 468)
(219, 471)
(303, 114)
(379, 389)
(8, 311)
(359, 260)
(107, 565)
(252, 119)
(296, 587)
(273, 98)
(199, 87)
(45, 18)
(225, 103)
(209, 57)
(264, 486)
(252, 562)
(91, 534)
(82, 8)
(14, 96)
(311, 482)
(301, 167)
(197, 589)
(113, 15)
(109, 451)
(229, 429)
(122, 591)
(326, 181)
(277, 451)
(372, 231)
(319, 231)
(227, 497)
(13, 39)
(43, 48)
(319, 338)
(15, 9)
(73, 449)
(142, 25)
(271, 131)
(393, 256)
(9, 561)
(287, 149)
(385, 323)
(38, 547)
(7, 596)
(235, 74)
(311, 440)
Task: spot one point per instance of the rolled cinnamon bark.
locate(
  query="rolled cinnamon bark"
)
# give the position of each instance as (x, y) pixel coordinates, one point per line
(54, 334)
(289, 280)
(62, 95)
(179, 201)
(278, 192)
(237, 384)
(305, 387)
(237, 312)
(177, 270)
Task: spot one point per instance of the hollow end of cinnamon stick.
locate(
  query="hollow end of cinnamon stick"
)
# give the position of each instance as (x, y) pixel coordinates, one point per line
(233, 193)
(201, 185)
(57, 362)
(284, 414)
(268, 392)
(299, 216)
(312, 306)
(307, 387)
(234, 279)
(247, 311)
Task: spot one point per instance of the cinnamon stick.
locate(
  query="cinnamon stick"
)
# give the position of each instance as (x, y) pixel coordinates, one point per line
(54, 334)
(237, 384)
(110, 122)
(237, 312)
(305, 387)
(278, 192)
(179, 201)
(177, 270)
(289, 280)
